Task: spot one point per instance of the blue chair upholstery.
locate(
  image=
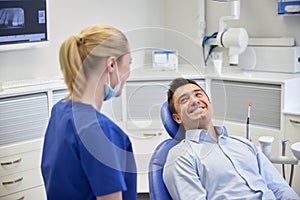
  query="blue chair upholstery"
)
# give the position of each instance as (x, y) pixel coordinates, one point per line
(157, 188)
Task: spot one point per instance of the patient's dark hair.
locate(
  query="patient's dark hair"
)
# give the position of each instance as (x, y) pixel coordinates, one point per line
(176, 83)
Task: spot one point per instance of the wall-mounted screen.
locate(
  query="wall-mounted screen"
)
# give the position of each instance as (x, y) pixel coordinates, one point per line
(23, 24)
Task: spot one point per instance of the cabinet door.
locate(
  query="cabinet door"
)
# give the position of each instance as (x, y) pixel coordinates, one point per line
(144, 100)
(111, 108)
(231, 98)
(59, 94)
(292, 135)
(23, 117)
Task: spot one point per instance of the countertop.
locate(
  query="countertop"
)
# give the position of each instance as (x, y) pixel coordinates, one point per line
(194, 72)
(147, 73)
(293, 111)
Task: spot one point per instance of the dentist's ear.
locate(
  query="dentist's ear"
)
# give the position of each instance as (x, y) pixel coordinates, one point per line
(111, 63)
(176, 118)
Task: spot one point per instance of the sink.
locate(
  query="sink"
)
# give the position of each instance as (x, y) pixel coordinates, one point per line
(296, 150)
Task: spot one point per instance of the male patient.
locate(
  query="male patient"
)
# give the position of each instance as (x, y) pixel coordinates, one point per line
(211, 164)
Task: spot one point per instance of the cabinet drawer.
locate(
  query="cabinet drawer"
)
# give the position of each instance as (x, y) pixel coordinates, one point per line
(20, 181)
(21, 147)
(292, 135)
(20, 162)
(34, 193)
(292, 123)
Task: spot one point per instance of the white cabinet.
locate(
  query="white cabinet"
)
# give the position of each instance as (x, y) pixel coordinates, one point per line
(142, 122)
(20, 174)
(292, 135)
(24, 115)
(33, 193)
(25, 112)
(271, 97)
(59, 94)
(143, 100)
(270, 93)
(24, 118)
(231, 98)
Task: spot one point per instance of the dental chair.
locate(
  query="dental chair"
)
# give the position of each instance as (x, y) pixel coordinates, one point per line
(157, 188)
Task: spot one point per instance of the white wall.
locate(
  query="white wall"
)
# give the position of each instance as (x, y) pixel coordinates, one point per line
(68, 17)
(176, 21)
(181, 18)
(259, 17)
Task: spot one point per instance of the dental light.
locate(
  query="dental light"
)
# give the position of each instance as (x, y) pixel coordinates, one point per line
(235, 39)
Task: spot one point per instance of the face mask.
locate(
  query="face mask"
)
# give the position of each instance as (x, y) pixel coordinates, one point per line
(109, 91)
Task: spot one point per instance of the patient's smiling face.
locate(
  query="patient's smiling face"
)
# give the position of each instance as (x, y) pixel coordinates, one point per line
(193, 107)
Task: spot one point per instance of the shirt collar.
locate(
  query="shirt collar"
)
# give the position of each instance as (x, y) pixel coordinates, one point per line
(197, 135)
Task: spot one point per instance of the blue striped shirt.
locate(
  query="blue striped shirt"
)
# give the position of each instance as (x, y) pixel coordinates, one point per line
(200, 167)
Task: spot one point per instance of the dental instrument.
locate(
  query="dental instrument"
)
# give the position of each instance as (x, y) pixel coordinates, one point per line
(283, 149)
(248, 134)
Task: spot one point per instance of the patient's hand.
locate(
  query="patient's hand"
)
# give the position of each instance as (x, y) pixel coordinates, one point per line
(11, 17)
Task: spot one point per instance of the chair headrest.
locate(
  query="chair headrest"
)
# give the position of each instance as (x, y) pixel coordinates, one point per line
(174, 130)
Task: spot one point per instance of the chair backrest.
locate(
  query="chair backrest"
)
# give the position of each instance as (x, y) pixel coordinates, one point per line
(157, 188)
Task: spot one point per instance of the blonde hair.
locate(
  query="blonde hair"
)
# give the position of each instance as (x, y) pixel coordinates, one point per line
(80, 54)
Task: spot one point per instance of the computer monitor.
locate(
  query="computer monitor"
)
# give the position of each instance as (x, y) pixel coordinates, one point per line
(23, 24)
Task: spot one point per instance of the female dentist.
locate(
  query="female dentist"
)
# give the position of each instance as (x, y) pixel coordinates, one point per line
(85, 154)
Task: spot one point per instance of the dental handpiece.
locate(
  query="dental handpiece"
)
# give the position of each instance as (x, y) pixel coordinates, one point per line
(248, 134)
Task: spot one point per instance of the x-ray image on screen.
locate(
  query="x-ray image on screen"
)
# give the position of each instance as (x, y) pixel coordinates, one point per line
(12, 18)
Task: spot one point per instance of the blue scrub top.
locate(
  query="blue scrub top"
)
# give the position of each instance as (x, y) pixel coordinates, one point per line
(86, 155)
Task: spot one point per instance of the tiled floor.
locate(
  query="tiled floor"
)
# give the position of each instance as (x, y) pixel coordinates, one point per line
(143, 196)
